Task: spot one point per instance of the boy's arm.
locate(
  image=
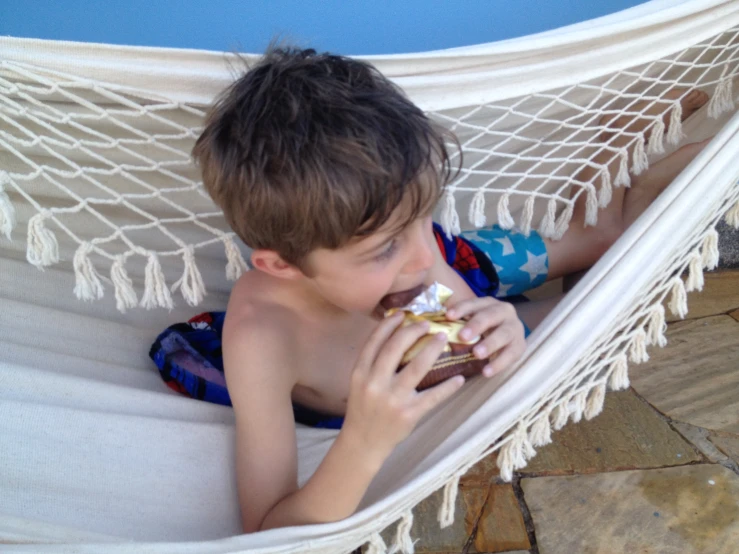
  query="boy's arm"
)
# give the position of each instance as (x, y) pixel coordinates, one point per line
(260, 383)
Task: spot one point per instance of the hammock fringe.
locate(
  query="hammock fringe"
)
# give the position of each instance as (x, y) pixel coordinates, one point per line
(527, 216)
(546, 227)
(449, 216)
(477, 209)
(678, 299)
(638, 350)
(505, 220)
(657, 138)
(675, 132)
(7, 211)
(640, 161)
(125, 294)
(236, 266)
(723, 97)
(156, 293)
(619, 374)
(191, 282)
(541, 431)
(87, 281)
(596, 399)
(695, 273)
(709, 250)
(622, 177)
(657, 326)
(376, 545)
(403, 542)
(732, 216)
(43, 248)
(447, 508)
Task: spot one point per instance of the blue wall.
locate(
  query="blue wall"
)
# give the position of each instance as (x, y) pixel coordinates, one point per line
(342, 26)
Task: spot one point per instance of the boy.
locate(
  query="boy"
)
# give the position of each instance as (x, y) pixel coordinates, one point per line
(330, 175)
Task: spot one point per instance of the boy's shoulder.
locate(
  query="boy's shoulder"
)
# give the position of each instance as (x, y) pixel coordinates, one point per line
(253, 316)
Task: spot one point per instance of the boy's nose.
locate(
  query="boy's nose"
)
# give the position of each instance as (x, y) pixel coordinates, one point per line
(423, 255)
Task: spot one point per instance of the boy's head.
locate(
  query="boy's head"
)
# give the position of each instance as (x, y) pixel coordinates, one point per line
(312, 151)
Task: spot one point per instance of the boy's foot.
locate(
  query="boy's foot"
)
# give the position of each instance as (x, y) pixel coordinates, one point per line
(690, 102)
(649, 185)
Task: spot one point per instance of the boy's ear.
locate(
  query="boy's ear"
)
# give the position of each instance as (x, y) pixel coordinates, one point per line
(272, 263)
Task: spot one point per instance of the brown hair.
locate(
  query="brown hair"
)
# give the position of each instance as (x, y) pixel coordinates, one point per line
(310, 150)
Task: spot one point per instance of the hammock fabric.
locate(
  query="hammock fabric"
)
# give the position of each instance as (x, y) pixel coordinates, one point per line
(94, 167)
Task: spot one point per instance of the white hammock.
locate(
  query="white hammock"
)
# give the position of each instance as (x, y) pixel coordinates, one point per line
(94, 164)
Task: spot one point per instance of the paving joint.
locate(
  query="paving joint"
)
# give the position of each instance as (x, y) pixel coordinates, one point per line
(527, 519)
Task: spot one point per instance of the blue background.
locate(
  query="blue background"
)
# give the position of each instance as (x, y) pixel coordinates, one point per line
(343, 26)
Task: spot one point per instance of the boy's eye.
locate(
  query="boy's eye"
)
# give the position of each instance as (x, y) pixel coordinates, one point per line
(388, 252)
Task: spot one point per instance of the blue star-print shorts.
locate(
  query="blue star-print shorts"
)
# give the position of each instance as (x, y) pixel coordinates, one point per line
(520, 261)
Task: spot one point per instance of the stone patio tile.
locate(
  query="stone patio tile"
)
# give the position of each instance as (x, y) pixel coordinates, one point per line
(729, 446)
(628, 434)
(483, 472)
(425, 529)
(679, 510)
(695, 379)
(735, 314)
(720, 294)
(699, 438)
(501, 526)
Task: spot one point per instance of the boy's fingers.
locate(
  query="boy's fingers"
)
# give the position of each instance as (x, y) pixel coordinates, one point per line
(390, 355)
(505, 358)
(433, 396)
(416, 370)
(484, 320)
(466, 307)
(490, 344)
(377, 339)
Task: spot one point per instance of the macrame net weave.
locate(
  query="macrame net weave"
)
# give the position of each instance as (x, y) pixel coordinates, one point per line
(109, 168)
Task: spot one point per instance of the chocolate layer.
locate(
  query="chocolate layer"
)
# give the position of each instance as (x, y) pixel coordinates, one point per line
(400, 299)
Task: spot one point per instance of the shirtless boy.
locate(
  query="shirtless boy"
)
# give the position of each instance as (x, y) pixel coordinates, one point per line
(330, 175)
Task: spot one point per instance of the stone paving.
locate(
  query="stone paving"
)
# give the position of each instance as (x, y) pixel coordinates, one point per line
(656, 472)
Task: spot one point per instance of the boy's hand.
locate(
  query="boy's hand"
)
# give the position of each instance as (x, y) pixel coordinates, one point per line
(383, 405)
(498, 324)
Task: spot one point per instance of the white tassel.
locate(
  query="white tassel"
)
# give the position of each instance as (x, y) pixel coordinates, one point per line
(193, 288)
(42, 249)
(640, 161)
(675, 132)
(446, 510)
(477, 209)
(657, 138)
(622, 177)
(723, 98)
(560, 415)
(695, 273)
(657, 326)
(591, 208)
(541, 432)
(619, 379)
(679, 299)
(505, 220)
(732, 216)
(236, 265)
(563, 221)
(638, 351)
(515, 453)
(7, 212)
(709, 250)
(577, 405)
(125, 295)
(403, 542)
(87, 281)
(376, 545)
(449, 216)
(596, 398)
(547, 228)
(156, 293)
(527, 216)
(606, 190)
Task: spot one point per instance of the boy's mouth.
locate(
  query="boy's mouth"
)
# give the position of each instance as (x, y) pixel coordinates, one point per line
(400, 298)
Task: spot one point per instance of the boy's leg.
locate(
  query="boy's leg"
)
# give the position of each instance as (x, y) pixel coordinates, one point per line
(581, 247)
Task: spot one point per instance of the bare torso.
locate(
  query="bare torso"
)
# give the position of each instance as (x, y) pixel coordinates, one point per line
(324, 349)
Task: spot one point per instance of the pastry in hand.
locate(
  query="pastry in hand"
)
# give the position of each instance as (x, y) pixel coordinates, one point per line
(418, 305)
